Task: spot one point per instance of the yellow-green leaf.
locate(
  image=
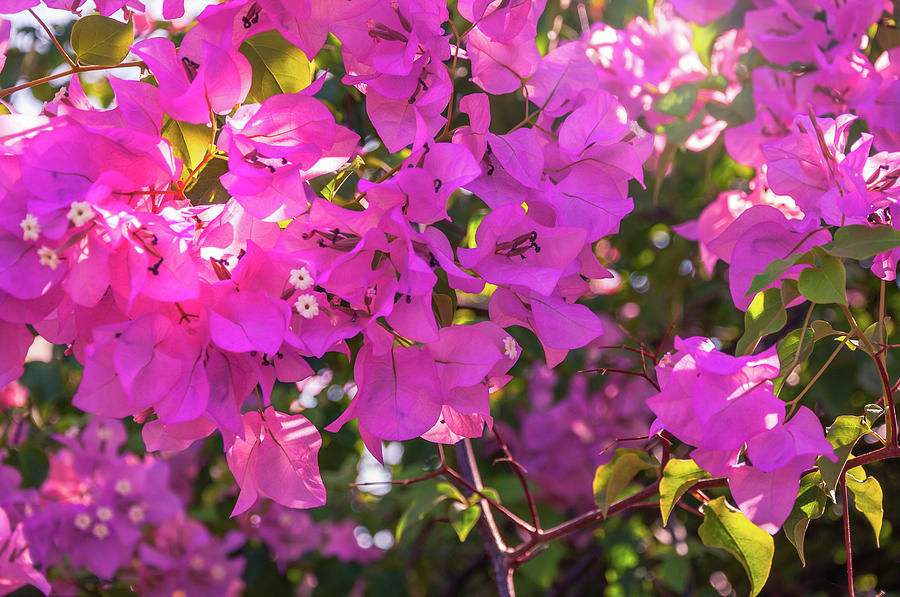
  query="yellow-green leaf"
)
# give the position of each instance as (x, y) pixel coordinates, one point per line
(101, 40)
(463, 519)
(843, 435)
(678, 476)
(278, 65)
(765, 315)
(867, 498)
(750, 545)
(809, 505)
(613, 477)
(189, 141)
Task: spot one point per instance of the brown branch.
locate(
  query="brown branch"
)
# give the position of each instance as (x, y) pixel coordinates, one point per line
(494, 545)
(846, 515)
(71, 71)
(882, 373)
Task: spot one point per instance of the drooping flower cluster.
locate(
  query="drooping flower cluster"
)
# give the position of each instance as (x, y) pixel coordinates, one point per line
(725, 407)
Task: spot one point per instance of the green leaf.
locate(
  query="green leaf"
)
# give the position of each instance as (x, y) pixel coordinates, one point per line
(862, 242)
(873, 412)
(765, 315)
(703, 40)
(206, 188)
(330, 190)
(451, 492)
(678, 476)
(613, 477)
(772, 272)
(189, 141)
(789, 291)
(843, 435)
(278, 65)
(423, 503)
(491, 493)
(32, 463)
(790, 344)
(822, 329)
(867, 498)
(678, 102)
(101, 40)
(750, 545)
(825, 283)
(463, 519)
(809, 505)
(679, 131)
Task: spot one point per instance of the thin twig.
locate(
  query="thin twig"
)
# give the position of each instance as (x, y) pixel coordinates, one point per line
(793, 403)
(71, 71)
(882, 373)
(55, 41)
(846, 513)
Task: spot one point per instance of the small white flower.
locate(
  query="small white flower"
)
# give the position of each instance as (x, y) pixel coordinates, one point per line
(123, 486)
(48, 257)
(136, 514)
(100, 530)
(300, 279)
(510, 348)
(80, 213)
(31, 229)
(307, 306)
(83, 521)
(104, 513)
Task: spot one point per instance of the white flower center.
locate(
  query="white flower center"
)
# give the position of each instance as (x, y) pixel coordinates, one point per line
(48, 257)
(307, 306)
(300, 279)
(123, 486)
(510, 348)
(104, 513)
(80, 213)
(136, 514)
(100, 530)
(31, 229)
(83, 521)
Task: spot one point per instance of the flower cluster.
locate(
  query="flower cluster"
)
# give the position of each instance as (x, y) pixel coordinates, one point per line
(726, 408)
(111, 514)
(807, 175)
(180, 312)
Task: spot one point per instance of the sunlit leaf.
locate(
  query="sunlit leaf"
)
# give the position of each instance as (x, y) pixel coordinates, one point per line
(101, 40)
(730, 530)
(677, 478)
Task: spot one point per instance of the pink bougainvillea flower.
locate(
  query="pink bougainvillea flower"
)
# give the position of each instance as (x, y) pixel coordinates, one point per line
(190, 87)
(276, 458)
(16, 566)
(703, 12)
(722, 404)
